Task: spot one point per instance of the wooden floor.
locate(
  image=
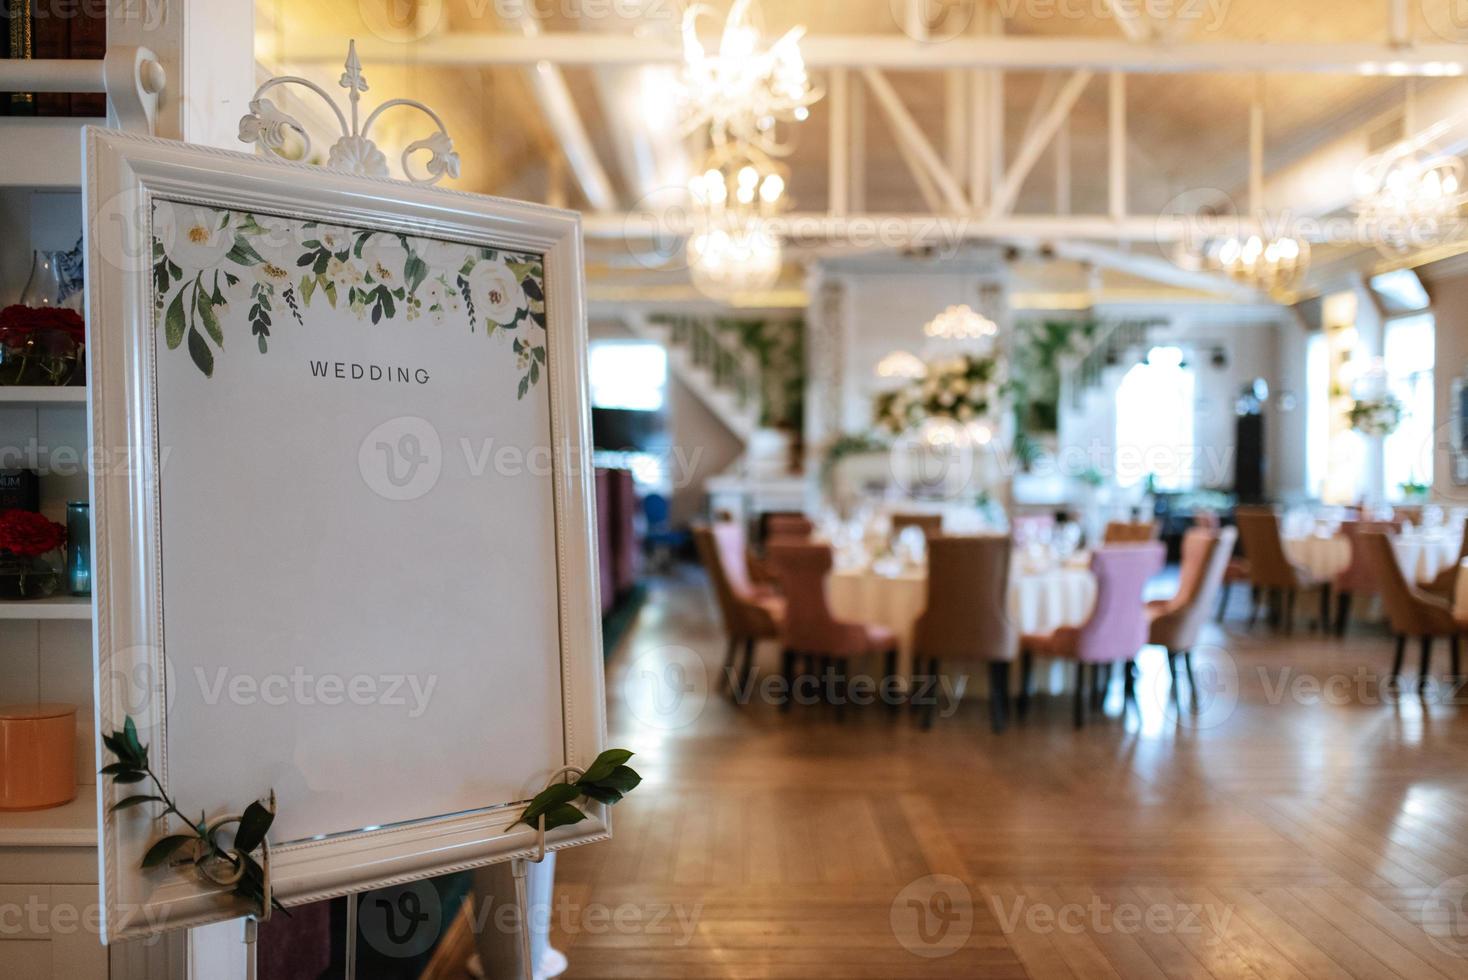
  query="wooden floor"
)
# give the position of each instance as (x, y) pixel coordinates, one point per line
(1281, 831)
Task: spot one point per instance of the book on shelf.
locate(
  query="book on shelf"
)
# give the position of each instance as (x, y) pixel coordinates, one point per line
(45, 29)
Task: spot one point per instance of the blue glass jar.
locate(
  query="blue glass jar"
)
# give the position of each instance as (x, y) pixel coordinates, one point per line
(79, 547)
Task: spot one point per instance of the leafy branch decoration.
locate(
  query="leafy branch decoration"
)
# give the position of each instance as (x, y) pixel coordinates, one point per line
(205, 259)
(607, 780)
(234, 865)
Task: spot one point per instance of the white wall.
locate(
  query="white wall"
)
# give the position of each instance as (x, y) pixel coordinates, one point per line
(1267, 344)
(702, 446)
(1447, 285)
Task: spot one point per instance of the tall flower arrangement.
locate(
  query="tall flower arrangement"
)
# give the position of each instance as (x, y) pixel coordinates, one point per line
(963, 388)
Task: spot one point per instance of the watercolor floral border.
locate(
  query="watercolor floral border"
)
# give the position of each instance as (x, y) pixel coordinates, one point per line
(206, 259)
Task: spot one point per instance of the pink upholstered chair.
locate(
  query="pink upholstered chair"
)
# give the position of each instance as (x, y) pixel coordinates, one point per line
(827, 644)
(1175, 623)
(1117, 627)
(1359, 577)
(967, 617)
(750, 614)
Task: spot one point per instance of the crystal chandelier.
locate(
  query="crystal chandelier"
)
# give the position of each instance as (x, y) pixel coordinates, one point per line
(1409, 197)
(962, 326)
(734, 250)
(744, 91)
(902, 366)
(1268, 263)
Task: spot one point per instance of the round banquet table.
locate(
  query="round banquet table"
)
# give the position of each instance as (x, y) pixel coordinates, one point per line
(1038, 601)
(1422, 555)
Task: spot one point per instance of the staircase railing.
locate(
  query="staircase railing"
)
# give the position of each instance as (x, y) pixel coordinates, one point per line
(732, 368)
(1109, 345)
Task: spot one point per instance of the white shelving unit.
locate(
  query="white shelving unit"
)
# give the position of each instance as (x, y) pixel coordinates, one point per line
(52, 607)
(72, 825)
(43, 396)
(42, 152)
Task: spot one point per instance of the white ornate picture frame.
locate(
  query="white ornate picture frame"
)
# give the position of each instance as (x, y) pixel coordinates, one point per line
(277, 354)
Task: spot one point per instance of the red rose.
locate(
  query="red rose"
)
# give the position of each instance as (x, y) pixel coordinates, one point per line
(28, 534)
(19, 323)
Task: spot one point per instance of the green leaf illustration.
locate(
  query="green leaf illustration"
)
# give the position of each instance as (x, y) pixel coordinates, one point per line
(206, 313)
(173, 322)
(199, 351)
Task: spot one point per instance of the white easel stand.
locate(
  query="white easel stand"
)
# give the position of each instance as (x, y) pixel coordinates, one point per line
(501, 954)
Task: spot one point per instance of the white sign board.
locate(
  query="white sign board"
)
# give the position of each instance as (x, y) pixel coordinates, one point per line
(344, 545)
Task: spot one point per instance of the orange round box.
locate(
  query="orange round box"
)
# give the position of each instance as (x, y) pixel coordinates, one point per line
(37, 755)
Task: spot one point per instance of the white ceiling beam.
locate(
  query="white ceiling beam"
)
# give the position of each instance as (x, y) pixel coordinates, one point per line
(1156, 269)
(894, 230)
(1030, 150)
(560, 112)
(901, 52)
(1044, 99)
(1116, 134)
(838, 104)
(1062, 168)
(908, 132)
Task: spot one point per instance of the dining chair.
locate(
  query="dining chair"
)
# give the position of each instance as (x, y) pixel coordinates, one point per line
(1272, 571)
(967, 617)
(1129, 532)
(1408, 514)
(931, 524)
(1445, 585)
(786, 526)
(1409, 611)
(749, 614)
(1174, 624)
(1359, 577)
(1113, 633)
(826, 644)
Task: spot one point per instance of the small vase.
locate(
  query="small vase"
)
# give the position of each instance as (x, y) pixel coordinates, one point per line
(23, 577)
(79, 548)
(43, 288)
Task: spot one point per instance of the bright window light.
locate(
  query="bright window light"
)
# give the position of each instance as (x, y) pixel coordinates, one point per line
(1317, 414)
(628, 374)
(1409, 355)
(1154, 422)
(1400, 291)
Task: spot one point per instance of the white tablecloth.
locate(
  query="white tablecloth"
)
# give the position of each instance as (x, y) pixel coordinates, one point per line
(1038, 602)
(1422, 556)
(1460, 606)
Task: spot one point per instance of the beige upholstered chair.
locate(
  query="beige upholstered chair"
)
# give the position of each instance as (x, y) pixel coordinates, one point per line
(1176, 622)
(1409, 611)
(1271, 570)
(967, 617)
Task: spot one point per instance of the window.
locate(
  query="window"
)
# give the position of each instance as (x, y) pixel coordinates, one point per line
(1400, 291)
(628, 374)
(1154, 422)
(1409, 353)
(1317, 414)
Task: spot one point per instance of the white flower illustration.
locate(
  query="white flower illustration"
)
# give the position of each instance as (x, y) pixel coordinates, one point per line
(496, 292)
(442, 258)
(195, 238)
(385, 258)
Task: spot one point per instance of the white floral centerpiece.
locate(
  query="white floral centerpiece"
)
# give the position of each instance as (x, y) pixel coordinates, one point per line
(963, 388)
(1376, 415)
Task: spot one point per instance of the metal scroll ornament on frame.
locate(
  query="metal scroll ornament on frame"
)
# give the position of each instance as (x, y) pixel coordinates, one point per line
(271, 128)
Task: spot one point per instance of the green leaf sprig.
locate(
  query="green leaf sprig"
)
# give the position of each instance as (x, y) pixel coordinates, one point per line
(132, 766)
(607, 780)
